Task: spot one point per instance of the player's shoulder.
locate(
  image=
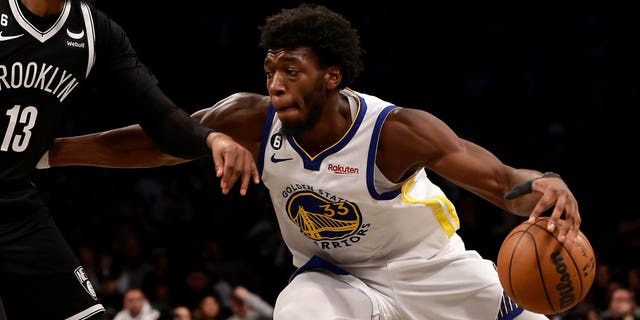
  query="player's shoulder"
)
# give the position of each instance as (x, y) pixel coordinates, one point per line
(96, 14)
(103, 23)
(247, 100)
(369, 99)
(397, 109)
(255, 98)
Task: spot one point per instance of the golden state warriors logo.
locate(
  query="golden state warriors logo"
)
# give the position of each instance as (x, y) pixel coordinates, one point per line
(320, 219)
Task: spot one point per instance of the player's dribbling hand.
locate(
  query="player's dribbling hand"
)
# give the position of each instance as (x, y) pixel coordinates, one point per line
(555, 193)
(232, 161)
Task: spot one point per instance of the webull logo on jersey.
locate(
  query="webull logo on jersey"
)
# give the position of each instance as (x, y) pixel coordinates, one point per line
(75, 44)
(343, 170)
(330, 221)
(75, 36)
(84, 281)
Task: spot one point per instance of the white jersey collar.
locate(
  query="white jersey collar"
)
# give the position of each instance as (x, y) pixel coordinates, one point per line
(42, 36)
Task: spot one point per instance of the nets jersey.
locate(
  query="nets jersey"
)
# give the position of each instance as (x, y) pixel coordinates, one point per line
(43, 65)
(338, 206)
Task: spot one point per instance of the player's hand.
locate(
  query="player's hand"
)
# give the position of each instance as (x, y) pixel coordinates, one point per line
(232, 161)
(555, 193)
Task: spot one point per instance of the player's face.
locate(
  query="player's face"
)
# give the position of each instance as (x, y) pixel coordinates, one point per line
(297, 88)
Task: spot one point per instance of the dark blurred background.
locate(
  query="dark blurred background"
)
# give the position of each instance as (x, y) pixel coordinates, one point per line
(551, 86)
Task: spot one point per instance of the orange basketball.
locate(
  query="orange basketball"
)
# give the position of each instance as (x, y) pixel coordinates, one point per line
(540, 273)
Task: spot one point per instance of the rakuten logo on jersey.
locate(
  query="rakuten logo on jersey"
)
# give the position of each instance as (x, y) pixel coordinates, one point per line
(342, 170)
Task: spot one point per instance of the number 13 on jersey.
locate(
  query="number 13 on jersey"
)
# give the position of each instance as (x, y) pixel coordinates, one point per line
(18, 131)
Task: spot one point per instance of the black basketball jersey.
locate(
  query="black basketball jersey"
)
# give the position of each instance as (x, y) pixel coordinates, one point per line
(42, 67)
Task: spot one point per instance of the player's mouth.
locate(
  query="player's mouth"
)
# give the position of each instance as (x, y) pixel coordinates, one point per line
(285, 109)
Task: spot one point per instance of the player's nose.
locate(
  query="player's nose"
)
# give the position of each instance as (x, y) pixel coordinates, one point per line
(276, 84)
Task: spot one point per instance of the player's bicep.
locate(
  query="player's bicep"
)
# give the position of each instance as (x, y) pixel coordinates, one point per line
(411, 139)
(420, 137)
(440, 149)
(424, 140)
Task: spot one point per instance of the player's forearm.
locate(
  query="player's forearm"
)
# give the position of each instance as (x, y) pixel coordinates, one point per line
(127, 147)
(169, 126)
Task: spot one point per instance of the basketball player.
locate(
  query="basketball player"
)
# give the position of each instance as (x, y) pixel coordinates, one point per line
(371, 235)
(49, 49)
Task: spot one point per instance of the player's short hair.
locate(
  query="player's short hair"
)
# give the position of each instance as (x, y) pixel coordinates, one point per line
(326, 32)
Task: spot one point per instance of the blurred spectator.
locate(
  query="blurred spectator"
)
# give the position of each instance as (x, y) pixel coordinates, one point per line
(135, 265)
(208, 309)
(110, 296)
(136, 307)
(181, 313)
(582, 312)
(156, 283)
(622, 306)
(195, 285)
(601, 287)
(160, 298)
(246, 305)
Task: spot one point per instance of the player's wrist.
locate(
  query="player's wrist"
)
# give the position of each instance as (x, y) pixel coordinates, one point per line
(527, 187)
(211, 136)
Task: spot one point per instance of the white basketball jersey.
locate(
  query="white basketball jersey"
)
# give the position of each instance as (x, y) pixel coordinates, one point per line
(338, 206)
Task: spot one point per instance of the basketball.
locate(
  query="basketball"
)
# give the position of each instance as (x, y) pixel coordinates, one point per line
(541, 274)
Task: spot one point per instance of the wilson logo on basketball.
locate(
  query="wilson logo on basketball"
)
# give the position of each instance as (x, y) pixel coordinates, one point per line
(564, 287)
(562, 275)
(342, 170)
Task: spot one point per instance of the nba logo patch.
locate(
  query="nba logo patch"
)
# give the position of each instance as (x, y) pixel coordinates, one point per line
(84, 281)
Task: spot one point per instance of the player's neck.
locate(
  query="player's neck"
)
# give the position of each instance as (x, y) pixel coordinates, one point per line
(334, 122)
(44, 8)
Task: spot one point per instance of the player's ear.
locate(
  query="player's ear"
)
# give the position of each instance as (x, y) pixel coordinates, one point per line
(333, 77)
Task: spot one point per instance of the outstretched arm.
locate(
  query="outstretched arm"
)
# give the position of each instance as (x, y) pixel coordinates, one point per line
(127, 147)
(234, 147)
(428, 142)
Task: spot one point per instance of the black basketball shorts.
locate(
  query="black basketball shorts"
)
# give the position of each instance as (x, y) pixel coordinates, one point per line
(40, 276)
